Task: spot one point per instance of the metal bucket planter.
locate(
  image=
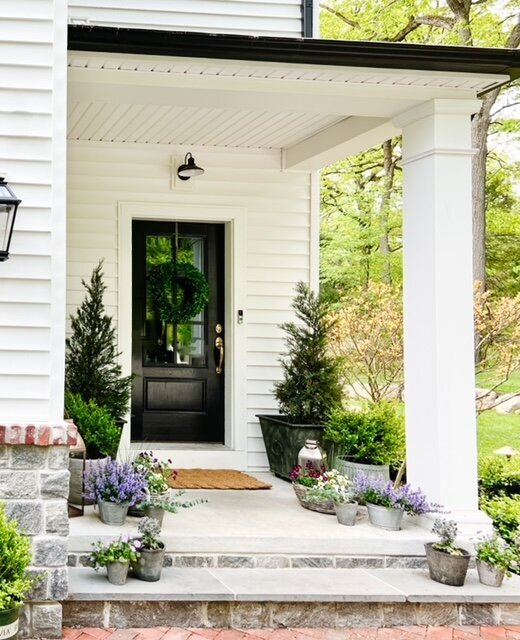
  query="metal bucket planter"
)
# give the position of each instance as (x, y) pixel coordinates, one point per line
(346, 512)
(157, 513)
(490, 575)
(353, 469)
(445, 568)
(113, 514)
(9, 621)
(283, 441)
(149, 565)
(385, 517)
(117, 572)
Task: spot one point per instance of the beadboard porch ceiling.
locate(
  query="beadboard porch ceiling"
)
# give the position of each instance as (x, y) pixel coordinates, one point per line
(304, 110)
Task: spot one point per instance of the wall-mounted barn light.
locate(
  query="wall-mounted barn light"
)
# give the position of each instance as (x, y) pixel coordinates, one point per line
(8, 207)
(189, 169)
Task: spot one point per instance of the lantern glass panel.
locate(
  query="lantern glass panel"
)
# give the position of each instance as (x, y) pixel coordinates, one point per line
(6, 214)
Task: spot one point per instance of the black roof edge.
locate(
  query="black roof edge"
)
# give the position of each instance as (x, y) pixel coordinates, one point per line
(387, 55)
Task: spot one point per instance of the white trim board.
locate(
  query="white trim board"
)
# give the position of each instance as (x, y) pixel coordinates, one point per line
(234, 452)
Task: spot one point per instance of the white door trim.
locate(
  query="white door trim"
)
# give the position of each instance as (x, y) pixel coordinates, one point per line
(233, 454)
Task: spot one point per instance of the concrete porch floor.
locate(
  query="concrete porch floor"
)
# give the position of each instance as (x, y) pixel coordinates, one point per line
(261, 522)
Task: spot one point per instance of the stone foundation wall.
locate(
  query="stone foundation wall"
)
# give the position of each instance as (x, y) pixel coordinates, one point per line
(34, 484)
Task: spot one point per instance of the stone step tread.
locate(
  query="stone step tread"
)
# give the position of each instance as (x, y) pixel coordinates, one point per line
(289, 585)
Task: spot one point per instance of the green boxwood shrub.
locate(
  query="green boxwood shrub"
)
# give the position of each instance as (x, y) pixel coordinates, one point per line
(499, 477)
(15, 558)
(95, 424)
(374, 435)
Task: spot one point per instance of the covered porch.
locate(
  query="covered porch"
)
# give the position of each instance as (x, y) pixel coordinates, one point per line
(263, 115)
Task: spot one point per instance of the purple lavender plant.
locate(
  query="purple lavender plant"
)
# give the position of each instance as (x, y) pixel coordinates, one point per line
(378, 492)
(113, 481)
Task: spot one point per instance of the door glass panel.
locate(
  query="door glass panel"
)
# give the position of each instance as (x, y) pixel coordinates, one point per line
(168, 343)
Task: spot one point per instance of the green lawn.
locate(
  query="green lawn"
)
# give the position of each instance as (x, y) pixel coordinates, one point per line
(496, 430)
(487, 381)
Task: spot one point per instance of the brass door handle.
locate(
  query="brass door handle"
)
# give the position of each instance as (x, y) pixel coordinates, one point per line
(219, 344)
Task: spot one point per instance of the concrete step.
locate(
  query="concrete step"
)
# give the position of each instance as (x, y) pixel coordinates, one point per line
(254, 598)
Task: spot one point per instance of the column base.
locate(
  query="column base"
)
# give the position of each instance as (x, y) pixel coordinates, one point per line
(471, 523)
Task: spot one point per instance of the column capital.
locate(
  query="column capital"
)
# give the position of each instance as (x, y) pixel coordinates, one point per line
(437, 106)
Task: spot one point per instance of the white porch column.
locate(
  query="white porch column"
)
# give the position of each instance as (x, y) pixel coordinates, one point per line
(438, 306)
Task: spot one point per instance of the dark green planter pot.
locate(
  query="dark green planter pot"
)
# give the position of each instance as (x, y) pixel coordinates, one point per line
(9, 619)
(284, 440)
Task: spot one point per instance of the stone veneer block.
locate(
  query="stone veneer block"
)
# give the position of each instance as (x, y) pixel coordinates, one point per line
(359, 614)
(399, 613)
(28, 514)
(510, 613)
(234, 562)
(219, 615)
(194, 561)
(404, 562)
(310, 562)
(46, 620)
(30, 457)
(364, 562)
(58, 583)
(477, 614)
(437, 614)
(157, 614)
(57, 518)
(272, 562)
(50, 552)
(250, 615)
(311, 615)
(58, 458)
(84, 614)
(54, 484)
(18, 485)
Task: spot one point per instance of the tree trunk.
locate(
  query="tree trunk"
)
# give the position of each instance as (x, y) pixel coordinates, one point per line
(388, 185)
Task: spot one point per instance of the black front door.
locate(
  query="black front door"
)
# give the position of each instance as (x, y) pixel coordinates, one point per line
(177, 332)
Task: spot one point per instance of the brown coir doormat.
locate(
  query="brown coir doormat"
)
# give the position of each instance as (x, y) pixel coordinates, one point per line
(214, 479)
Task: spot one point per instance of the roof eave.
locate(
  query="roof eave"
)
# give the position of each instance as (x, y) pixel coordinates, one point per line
(386, 55)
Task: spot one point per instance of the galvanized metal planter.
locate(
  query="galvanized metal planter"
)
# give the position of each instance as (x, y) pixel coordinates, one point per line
(490, 575)
(346, 512)
(353, 469)
(149, 565)
(113, 514)
(385, 517)
(157, 513)
(117, 572)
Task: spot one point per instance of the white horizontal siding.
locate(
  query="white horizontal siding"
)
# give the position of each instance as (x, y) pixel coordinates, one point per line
(32, 100)
(253, 17)
(278, 239)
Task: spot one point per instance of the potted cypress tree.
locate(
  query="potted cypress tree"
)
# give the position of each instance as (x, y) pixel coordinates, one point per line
(15, 583)
(310, 387)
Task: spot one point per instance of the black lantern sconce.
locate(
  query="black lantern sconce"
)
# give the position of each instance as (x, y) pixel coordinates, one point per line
(8, 207)
(189, 169)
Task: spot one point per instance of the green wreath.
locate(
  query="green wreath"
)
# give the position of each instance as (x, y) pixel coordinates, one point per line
(192, 291)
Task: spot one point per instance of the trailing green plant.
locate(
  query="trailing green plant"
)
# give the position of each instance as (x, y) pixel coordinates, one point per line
(15, 559)
(95, 424)
(171, 503)
(499, 477)
(496, 552)
(91, 366)
(447, 531)
(310, 387)
(374, 435)
(122, 549)
(156, 472)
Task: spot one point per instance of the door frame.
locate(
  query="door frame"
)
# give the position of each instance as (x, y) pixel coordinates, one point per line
(234, 451)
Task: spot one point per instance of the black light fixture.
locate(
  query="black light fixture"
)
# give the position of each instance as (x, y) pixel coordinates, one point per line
(189, 169)
(8, 207)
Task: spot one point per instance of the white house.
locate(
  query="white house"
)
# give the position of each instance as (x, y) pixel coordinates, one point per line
(94, 123)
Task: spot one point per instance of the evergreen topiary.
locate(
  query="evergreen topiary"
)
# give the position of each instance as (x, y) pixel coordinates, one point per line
(92, 370)
(311, 387)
